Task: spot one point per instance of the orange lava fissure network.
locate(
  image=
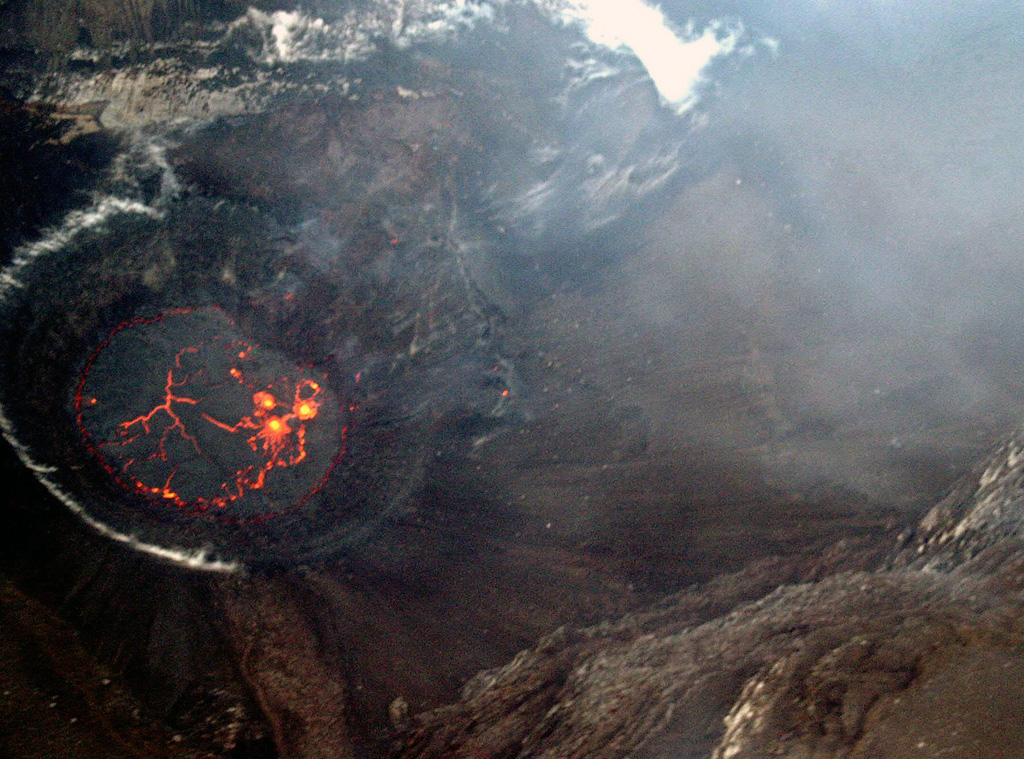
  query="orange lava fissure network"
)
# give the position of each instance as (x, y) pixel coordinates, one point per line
(217, 430)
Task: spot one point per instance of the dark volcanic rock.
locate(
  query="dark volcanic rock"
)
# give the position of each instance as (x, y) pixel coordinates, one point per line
(518, 471)
(57, 701)
(45, 171)
(916, 658)
(100, 657)
(57, 25)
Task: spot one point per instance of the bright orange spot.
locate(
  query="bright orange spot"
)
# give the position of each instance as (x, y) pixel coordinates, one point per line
(504, 393)
(275, 435)
(274, 430)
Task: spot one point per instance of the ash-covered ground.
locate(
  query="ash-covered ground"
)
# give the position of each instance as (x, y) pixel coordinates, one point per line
(642, 344)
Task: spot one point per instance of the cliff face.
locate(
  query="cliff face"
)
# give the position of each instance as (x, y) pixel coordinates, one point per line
(919, 655)
(59, 25)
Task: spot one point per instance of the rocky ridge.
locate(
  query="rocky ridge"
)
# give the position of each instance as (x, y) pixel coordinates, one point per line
(797, 658)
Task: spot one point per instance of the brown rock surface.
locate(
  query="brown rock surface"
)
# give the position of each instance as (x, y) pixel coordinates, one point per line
(640, 466)
(900, 661)
(56, 700)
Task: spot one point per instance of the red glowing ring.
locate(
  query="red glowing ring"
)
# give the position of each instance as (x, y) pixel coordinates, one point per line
(216, 427)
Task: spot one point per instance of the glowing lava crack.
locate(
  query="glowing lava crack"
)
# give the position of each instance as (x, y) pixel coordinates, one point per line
(179, 409)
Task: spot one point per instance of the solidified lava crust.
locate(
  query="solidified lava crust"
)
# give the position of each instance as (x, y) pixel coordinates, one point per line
(179, 409)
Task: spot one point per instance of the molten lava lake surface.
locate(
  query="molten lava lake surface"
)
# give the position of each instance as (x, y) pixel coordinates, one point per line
(179, 409)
